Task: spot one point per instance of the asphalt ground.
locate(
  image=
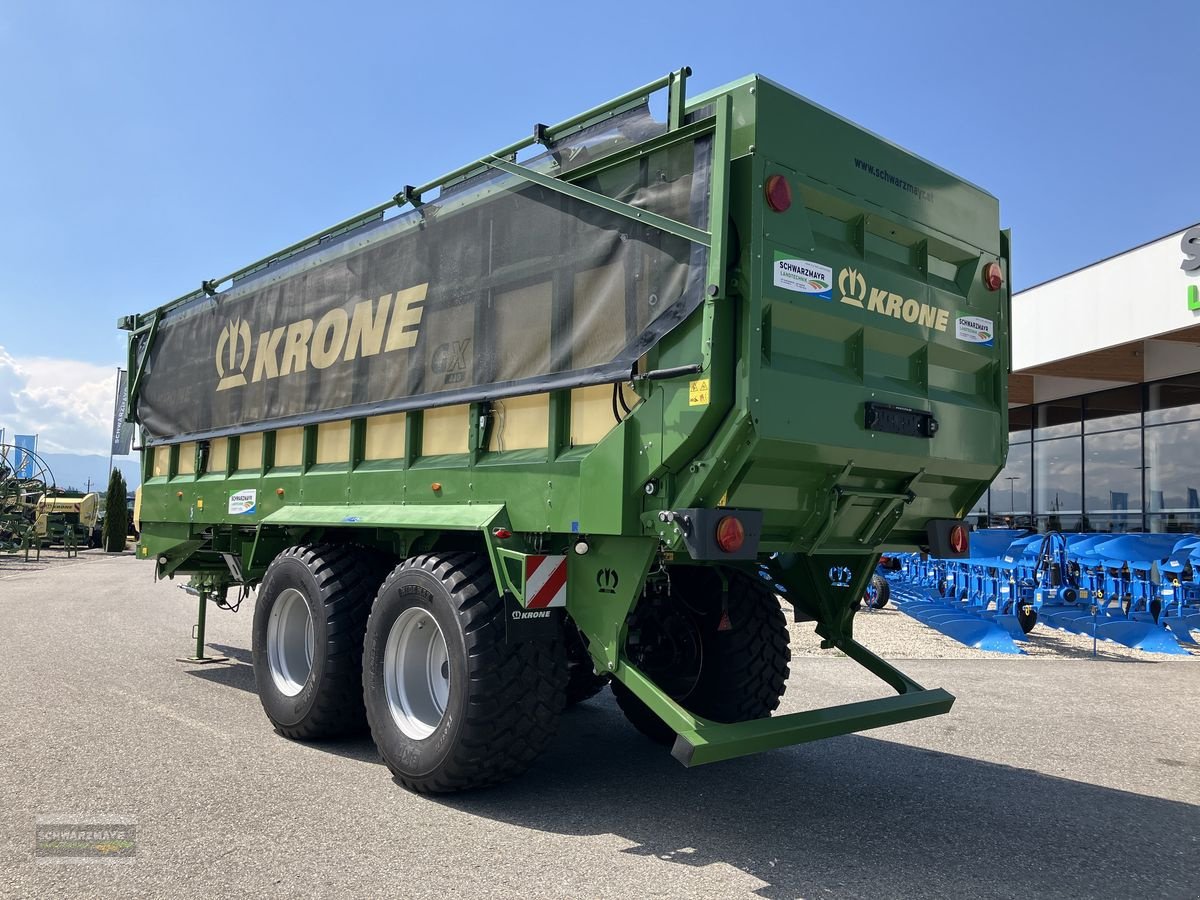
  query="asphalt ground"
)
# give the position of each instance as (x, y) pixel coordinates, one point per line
(1052, 776)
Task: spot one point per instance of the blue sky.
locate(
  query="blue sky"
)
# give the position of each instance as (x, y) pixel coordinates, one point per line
(149, 145)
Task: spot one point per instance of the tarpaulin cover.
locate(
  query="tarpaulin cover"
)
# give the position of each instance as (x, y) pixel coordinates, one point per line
(498, 287)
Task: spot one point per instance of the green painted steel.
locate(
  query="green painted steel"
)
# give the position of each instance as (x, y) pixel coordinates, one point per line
(867, 289)
(451, 517)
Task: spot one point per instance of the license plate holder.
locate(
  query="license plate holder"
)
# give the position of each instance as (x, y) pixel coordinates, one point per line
(902, 420)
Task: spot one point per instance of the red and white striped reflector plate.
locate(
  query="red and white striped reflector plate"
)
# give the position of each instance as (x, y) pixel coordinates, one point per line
(545, 582)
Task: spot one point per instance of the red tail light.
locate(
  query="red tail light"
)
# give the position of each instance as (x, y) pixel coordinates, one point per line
(993, 276)
(959, 539)
(730, 534)
(779, 193)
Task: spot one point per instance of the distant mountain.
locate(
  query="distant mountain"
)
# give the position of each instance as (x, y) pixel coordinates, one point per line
(72, 470)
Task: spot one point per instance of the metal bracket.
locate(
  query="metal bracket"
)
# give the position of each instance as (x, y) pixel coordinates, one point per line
(645, 216)
(408, 194)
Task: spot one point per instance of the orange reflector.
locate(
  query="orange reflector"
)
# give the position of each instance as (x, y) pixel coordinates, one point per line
(730, 534)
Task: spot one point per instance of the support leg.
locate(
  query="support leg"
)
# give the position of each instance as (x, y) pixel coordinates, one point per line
(199, 632)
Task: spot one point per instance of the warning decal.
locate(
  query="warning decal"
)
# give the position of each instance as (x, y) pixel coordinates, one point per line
(545, 582)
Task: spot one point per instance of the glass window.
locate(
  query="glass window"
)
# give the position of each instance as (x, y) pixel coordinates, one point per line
(1112, 467)
(1113, 523)
(1172, 472)
(1057, 418)
(1173, 400)
(1175, 523)
(1110, 410)
(1061, 521)
(1020, 420)
(1058, 476)
(1010, 490)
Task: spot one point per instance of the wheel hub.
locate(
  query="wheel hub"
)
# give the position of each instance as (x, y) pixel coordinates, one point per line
(416, 673)
(290, 642)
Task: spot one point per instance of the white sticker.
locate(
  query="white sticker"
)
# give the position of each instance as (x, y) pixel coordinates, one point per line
(974, 330)
(243, 503)
(803, 276)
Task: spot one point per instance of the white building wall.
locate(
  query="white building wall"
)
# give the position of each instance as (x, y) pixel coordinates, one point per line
(1137, 295)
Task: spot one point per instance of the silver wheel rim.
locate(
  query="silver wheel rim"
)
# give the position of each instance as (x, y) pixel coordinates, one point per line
(290, 642)
(416, 673)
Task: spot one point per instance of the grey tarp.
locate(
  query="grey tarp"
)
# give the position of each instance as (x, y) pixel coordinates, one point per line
(496, 288)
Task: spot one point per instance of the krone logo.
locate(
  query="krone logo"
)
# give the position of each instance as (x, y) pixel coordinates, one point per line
(607, 581)
(878, 300)
(371, 327)
(840, 576)
(853, 287)
(233, 348)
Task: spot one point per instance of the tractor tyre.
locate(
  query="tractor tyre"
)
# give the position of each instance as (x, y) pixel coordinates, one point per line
(583, 681)
(727, 665)
(307, 638)
(451, 704)
(878, 593)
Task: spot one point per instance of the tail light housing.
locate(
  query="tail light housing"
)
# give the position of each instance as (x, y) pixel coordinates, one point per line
(778, 192)
(993, 276)
(948, 538)
(731, 534)
(959, 539)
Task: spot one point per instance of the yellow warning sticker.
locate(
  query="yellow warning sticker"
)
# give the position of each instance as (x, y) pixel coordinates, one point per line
(698, 392)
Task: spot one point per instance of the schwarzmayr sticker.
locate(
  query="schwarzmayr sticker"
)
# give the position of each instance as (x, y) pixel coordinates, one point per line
(975, 330)
(803, 276)
(243, 503)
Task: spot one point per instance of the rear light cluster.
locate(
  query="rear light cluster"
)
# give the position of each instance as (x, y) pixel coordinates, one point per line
(778, 192)
(959, 539)
(730, 534)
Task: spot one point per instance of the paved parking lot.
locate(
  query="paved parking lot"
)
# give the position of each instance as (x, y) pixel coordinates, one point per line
(1052, 776)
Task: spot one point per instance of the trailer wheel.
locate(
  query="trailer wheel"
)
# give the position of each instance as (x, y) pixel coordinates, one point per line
(878, 592)
(583, 682)
(450, 703)
(727, 675)
(307, 639)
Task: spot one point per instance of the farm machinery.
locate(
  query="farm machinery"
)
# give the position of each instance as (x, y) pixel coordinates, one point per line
(1137, 590)
(590, 410)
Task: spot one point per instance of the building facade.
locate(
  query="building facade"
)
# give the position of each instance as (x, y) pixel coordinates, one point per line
(1104, 404)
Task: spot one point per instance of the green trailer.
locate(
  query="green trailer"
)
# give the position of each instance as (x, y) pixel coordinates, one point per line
(592, 409)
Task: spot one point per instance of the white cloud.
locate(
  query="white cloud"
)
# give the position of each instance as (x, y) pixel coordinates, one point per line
(67, 403)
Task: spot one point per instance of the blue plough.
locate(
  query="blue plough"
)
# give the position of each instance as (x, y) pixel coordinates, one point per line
(1137, 590)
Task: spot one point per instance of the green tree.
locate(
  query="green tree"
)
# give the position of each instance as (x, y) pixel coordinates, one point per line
(116, 516)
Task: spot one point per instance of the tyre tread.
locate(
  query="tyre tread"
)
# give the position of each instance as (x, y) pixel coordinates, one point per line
(517, 690)
(345, 580)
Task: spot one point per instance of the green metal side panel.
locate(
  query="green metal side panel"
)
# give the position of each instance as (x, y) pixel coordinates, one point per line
(416, 516)
(900, 245)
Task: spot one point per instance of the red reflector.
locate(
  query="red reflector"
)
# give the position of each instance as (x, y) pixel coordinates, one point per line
(779, 193)
(959, 539)
(501, 533)
(993, 276)
(730, 534)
